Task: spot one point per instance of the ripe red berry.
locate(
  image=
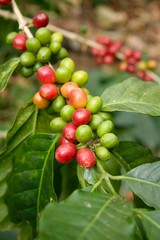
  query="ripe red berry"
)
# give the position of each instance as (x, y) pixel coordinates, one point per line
(137, 55)
(48, 91)
(131, 68)
(81, 116)
(40, 20)
(128, 53)
(78, 98)
(67, 88)
(69, 132)
(66, 152)
(86, 158)
(104, 40)
(46, 74)
(5, 2)
(108, 59)
(63, 140)
(19, 42)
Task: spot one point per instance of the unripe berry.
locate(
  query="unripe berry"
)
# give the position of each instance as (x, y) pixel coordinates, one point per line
(33, 45)
(109, 140)
(19, 42)
(68, 63)
(44, 55)
(86, 158)
(10, 37)
(94, 105)
(58, 104)
(57, 124)
(81, 116)
(69, 132)
(80, 77)
(95, 121)
(105, 127)
(57, 36)
(48, 91)
(83, 133)
(46, 74)
(63, 74)
(66, 152)
(43, 35)
(40, 20)
(67, 112)
(27, 59)
(102, 153)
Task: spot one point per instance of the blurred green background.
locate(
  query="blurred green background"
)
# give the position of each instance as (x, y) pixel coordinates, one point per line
(136, 23)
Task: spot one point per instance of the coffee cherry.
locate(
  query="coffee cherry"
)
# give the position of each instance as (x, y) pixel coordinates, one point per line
(19, 42)
(80, 77)
(78, 98)
(37, 66)
(5, 2)
(109, 140)
(40, 20)
(83, 133)
(10, 37)
(67, 88)
(39, 101)
(58, 104)
(102, 153)
(46, 74)
(104, 40)
(55, 47)
(109, 59)
(44, 55)
(57, 36)
(61, 54)
(105, 115)
(57, 124)
(26, 72)
(86, 158)
(69, 132)
(105, 127)
(94, 105)
(67, 112)
(43, 35)
(151, 64)
(66, 152)
(48, 91)
(63, 75)
(33, 45)
(95, 121)
(63, 140)
(27, 59)
(81, 116)
(68, 63)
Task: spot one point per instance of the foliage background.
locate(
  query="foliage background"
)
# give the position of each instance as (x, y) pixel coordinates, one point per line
(136, 23)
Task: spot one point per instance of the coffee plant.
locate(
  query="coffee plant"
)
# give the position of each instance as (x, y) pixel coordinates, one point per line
(64, 173)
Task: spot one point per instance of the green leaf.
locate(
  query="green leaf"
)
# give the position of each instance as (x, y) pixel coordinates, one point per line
(133, 95)
(30, 185)
(86, 215)
(130, 155)
(151, 223)
(144, 181)
(6, 70)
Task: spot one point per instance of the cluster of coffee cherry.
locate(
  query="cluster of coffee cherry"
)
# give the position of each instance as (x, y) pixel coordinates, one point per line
(86, 131)
(132, 59)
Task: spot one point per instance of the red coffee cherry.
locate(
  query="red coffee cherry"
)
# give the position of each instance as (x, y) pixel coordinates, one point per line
(81, 116)
(86, 158)
(66, 152)
(48, 91)
(46, 74)
(40, 20)
(19, 42)
(69, 132)
(67, 88)
(5, 2)
(63, 140)
(39, 101)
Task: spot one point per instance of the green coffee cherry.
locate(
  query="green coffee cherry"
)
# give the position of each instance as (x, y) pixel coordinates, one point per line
(68, 63)
(58, 103)
(83, 133)
(55, 47)
(94, 105)
(33, 45)
(57, 124)
(37, 65)
(43, 35)
(63, 75)
(61, 54)
(26, 72)
(67, 112)
(80, 77)
(95, 121)
(105, 115)
(109, 140)
(57, 36)
(27, 59)
(10, 37)
(102, 153)
(105, 127)
(44, 55)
